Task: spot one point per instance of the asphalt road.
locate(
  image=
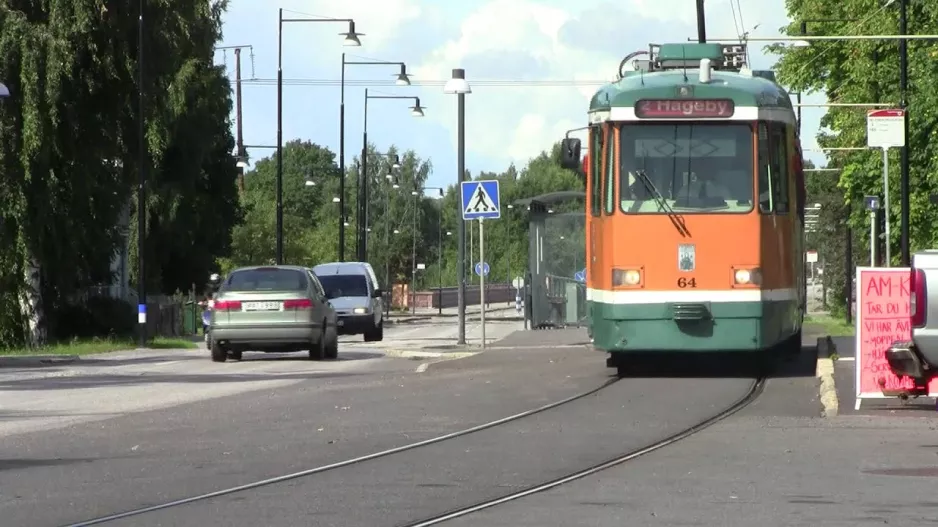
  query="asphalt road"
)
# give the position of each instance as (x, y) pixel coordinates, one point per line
(55, 476)
(845, 383)
(754, 470)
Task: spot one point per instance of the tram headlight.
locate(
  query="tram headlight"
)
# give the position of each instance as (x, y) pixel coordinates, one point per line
(626, 277)
(751, 276)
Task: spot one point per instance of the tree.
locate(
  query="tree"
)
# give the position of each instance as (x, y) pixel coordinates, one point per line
(68, 154)
(308, 227)
(867, 72)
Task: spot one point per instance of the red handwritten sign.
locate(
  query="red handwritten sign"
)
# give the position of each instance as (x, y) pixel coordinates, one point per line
(883, 317)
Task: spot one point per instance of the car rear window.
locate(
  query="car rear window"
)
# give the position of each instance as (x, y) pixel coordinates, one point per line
(339, 285)
(266, 279)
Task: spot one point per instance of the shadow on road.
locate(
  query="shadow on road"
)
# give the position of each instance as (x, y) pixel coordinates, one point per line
(772, 364)
(16, 464)
(301, 356)
(99, 381)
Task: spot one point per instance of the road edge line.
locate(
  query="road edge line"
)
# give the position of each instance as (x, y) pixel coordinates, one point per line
(825, 372)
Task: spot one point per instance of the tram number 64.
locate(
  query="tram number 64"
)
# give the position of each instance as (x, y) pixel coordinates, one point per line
(684, 283)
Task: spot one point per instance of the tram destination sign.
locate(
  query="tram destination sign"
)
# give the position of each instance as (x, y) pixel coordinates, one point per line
(683, 108)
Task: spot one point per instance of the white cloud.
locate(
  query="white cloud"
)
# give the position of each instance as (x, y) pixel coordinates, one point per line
(526, 38)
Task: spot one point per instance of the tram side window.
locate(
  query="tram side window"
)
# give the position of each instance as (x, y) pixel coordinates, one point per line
(780, 172)
(596, 163)
(610, 170)
(766, 199)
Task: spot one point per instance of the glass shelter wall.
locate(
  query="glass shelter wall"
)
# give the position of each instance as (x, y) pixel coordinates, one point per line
(557, 257)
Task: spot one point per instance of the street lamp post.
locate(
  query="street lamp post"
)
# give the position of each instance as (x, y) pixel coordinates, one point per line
(509, 253)
(351, 39)
(141, 191)
(413, 257)
(387, 244)
(460, 87)
(417, 111)
(439, 255)
(904, 151)
(403, 79)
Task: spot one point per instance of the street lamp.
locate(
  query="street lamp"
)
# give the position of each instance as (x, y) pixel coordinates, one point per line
(403, 79)
(460, 87)
(417, 111)
(4, 91)
(351, 39)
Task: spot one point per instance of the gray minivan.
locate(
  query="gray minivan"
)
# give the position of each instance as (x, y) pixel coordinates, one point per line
(353, 291)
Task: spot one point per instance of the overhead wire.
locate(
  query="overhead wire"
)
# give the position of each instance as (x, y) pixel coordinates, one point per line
(558, 83)
(854, 27)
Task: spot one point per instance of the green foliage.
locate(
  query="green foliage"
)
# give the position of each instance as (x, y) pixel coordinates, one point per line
(867, 72)
(68, 146)
(96, 317)
(404, 229)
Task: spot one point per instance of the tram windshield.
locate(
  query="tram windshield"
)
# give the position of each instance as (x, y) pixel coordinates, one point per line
(690, 167)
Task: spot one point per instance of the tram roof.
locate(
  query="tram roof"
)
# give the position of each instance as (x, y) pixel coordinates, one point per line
(745, 89)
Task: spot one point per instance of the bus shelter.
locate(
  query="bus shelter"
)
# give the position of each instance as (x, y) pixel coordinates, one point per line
(555, 285)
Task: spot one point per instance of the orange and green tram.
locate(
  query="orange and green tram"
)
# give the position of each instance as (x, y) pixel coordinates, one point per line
(695, 208)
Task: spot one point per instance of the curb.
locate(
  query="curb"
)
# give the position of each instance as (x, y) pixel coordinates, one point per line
(825, 372)
(14, 361)
(405, 320)
(417, 354)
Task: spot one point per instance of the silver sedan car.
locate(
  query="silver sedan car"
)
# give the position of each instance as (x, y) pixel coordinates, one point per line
(270, 309)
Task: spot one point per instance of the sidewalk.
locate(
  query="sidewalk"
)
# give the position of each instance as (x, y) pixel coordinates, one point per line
(473, 312)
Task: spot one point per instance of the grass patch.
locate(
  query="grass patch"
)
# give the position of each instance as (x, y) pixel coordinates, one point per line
(835, 327)
(94, 346)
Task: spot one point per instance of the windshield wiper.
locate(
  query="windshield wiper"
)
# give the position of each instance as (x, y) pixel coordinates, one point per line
(676, 219)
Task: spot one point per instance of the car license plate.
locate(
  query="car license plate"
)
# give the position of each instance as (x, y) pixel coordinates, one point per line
(262, 306)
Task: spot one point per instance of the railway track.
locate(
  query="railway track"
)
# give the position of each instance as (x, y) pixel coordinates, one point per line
(340, 464)
(754, 391)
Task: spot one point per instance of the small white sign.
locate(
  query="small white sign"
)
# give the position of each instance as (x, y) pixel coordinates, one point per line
(518, 282)
(811, 256)
(885, 128)
(421, 267)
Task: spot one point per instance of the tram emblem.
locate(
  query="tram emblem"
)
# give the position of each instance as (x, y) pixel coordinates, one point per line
(686, 257)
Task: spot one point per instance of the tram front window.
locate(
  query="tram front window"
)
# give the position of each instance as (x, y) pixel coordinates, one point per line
(694, 167)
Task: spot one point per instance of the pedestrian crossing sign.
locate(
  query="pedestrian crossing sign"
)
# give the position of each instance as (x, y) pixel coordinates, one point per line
(480, 200)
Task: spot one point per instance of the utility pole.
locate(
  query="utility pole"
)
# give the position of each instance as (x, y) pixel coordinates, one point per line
(903, 104)
(238, 125)
(143, 157)
(701, 22)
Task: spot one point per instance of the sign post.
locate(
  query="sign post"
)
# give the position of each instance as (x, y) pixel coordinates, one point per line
(872, 204)
(482, 277)
(480, 201)
(885, 129)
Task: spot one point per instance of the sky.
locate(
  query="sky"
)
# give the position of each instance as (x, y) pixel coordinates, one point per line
(524, 42)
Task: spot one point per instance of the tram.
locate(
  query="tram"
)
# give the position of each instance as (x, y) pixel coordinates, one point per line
(695, 207)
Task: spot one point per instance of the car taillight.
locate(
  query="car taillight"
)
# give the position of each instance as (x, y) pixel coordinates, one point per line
(227, 305)
(303, 303)
(919, 302)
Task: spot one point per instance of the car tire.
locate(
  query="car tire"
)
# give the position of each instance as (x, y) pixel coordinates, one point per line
(219, 354)
(317, 349)
(332, 347)
(375, 334)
